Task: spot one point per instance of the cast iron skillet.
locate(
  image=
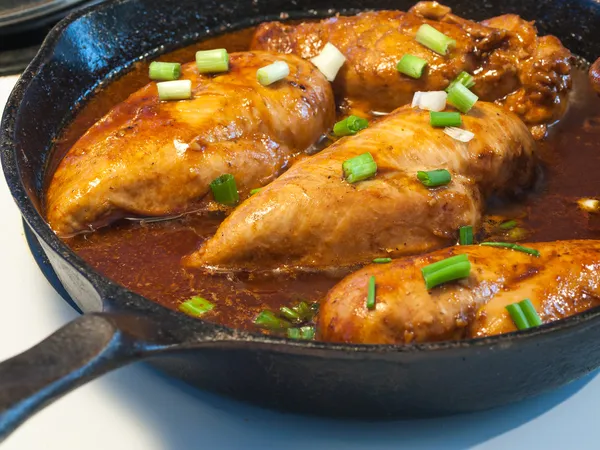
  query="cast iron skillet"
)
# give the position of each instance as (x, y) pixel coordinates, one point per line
(119, 327)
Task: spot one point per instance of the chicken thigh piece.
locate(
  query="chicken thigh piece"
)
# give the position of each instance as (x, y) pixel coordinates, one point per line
(563, 280)
(505, 55)
(312, 217)
(148, 157)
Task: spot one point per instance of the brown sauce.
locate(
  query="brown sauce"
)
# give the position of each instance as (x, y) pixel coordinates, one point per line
(146, 257)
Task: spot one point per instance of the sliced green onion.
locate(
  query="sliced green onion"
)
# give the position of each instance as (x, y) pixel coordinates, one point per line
(196, 306)
(382, 260)
(517, 316)
(289, 313)
(306, 333)
(371, 293)
(531, 314)
(350, 125)
(434, 40)
(465, 235)
(329, 61)
(273, 72)
(174, 90)
(266, 319)
(359, 168)
(255, 191)
(508, 225)
(304, 311)
(512, 246)
(448, 269)
(212, 61)
(444, 119)
(434, 178)
(164, 71)
(464, 78)
(412, 66)
(461, 98)
(225, 190)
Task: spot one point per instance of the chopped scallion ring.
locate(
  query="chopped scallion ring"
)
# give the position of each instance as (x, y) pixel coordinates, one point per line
(273, 72)
(382, 260)
(224, 190)
(434, 40)
(412, 66)
(430, 101)
(464, 78)
(350, 125)
(465, 235)
(434, 178)
(174, 90)
(461, 98)
(512, 246)
(531, 314)
(508, 225)
(449, 269)
(266, 319)
(255, 191)
(371, 293)
(359, 168)
(212, 61)
(329, 61)
(444, 119)
(164, 71)
(305, 333)
(289, 313)
(517, 316)
(196, 306)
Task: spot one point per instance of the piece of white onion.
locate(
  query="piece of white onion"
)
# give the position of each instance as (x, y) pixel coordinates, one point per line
(589, 204)
(329, 61)
(459, 134)
(430, 101)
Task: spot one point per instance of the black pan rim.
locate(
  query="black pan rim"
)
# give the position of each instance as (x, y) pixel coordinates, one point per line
(108, 288)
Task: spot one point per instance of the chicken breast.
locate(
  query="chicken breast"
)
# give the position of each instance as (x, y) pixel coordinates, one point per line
(504, 54)
(152, 158)
(563, 280)
(312, 217)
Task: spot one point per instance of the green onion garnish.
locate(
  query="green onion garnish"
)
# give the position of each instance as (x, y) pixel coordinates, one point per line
(174, 90)
(255, 191)
(359, 168)
(434, 40)
(225, 190)
(434, 178)
(196, 306)
(448, 269)
(465, 235)
(289, 313)
(461, 98)
(444, 119)
(266, 319)
(531, 314)
(371, 293)
(306, 333)
(512, 246)
(304, 311)
(382, 260)
(517, 316)
(350, 125)
(508, 225)
(212, 61)
(273, 72)
(463, 78)
(412, 66)
(164, 71)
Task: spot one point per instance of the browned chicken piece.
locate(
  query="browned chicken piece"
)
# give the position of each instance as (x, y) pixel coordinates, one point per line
(594, 75)
(312, 217)
(564, 280)
(504, 54)
(152, 158)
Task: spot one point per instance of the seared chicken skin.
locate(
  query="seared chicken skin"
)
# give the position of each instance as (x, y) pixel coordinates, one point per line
(528, 74)
(151, 158)
(312, 217)
(564, 280)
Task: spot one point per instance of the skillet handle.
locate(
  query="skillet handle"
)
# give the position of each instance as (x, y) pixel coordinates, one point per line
(82, 350)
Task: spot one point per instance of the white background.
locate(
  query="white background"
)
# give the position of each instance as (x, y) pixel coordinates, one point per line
(138, 408)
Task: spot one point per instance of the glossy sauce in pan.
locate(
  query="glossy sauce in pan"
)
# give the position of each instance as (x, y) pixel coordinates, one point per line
(146, 256)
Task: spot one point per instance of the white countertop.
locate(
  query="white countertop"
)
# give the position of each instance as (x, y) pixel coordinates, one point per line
(138, 408)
